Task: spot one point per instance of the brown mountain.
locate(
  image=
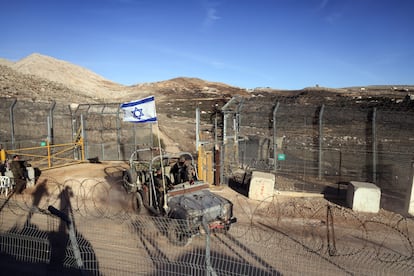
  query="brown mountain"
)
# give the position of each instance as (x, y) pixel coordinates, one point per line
(41, 77)
(72, 76)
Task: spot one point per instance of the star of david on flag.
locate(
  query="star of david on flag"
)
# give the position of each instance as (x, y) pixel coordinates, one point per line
(140, 111)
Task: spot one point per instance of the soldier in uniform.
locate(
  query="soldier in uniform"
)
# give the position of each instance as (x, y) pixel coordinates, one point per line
(179, 171)
(19, 173)
(183, 171)
(159, 185)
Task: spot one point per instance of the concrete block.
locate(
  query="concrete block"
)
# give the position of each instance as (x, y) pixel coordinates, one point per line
(262, 186)
(363, 197)
(410, 195)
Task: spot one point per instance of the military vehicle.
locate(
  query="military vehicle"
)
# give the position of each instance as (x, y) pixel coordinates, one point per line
(181, 196)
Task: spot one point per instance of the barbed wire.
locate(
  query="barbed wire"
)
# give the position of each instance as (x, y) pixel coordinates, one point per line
(268, 222)
(325, 229)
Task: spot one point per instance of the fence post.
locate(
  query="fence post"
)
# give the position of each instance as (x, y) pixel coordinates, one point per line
(72, 236)
(217, 165)
(274, 137)
(210, 269)
(49, 157)
(85, 153)
(217, 159)
(320, 161)
(118, 135)
(12, 123)
(224, 146)
(50, 126)
(197, 128)
(374, 146)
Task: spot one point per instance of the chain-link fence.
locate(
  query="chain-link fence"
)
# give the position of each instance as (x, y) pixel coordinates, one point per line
(357, 140)
(26, 125)
(96, 234)
(316, 143)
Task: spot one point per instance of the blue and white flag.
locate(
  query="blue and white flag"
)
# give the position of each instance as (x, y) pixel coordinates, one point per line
(141, 111)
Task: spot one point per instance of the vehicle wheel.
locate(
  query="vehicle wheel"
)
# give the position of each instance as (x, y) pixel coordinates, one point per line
(138, 204)
(177, 235)
(126, 180)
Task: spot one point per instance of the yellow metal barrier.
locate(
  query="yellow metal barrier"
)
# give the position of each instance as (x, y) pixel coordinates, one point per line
(2, 155)
(54, 155)
(205, 165)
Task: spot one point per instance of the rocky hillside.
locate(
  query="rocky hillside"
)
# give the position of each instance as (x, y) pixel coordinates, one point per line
(14, 84)
(40, 77)
(72, 76)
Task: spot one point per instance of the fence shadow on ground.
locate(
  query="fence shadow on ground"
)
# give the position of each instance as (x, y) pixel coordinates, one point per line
(296, 236)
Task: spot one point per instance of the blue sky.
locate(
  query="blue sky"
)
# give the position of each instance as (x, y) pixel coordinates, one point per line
(286, 44)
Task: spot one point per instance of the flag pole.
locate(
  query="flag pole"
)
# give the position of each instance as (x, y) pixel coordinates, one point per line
(144, 111)
(162, 168)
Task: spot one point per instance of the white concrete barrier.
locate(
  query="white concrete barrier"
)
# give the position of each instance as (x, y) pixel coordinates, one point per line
(410, 194)
(262, 186)
(363, 197)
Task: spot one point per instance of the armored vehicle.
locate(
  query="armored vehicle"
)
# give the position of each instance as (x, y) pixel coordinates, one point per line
(167, 185)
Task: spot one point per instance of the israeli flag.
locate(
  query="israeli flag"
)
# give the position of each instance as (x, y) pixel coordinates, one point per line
(141, 111)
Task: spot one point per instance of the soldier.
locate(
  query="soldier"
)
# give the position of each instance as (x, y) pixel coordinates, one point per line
(3, 168)
(183, 171)
(159, 185)
(19, 174)
(179, 171)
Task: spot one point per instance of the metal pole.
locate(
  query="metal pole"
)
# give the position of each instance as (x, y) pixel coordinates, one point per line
(49, 129)
(320, 141)
(50, 132)
(49, 141)
(151, 138)
(210, 269)
(72, 115)
(217, 160)
(374, 146)
(225, 117)
(12, 123)
(274, 137)
(84, 139)
(50, 123)
(197, 128)
(237, 123)
(236, 119)
(215, 130)
(224, 146)
(134, 131)
(118, 135)
(72, 236)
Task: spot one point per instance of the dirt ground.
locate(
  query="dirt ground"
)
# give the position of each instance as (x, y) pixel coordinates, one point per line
(102, 183)
(84, 180)
(96, 193)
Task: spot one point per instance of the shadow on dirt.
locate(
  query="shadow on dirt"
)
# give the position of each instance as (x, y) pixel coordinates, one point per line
(240, 182)
(27, 249)
(335, 193)
(113, 174)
